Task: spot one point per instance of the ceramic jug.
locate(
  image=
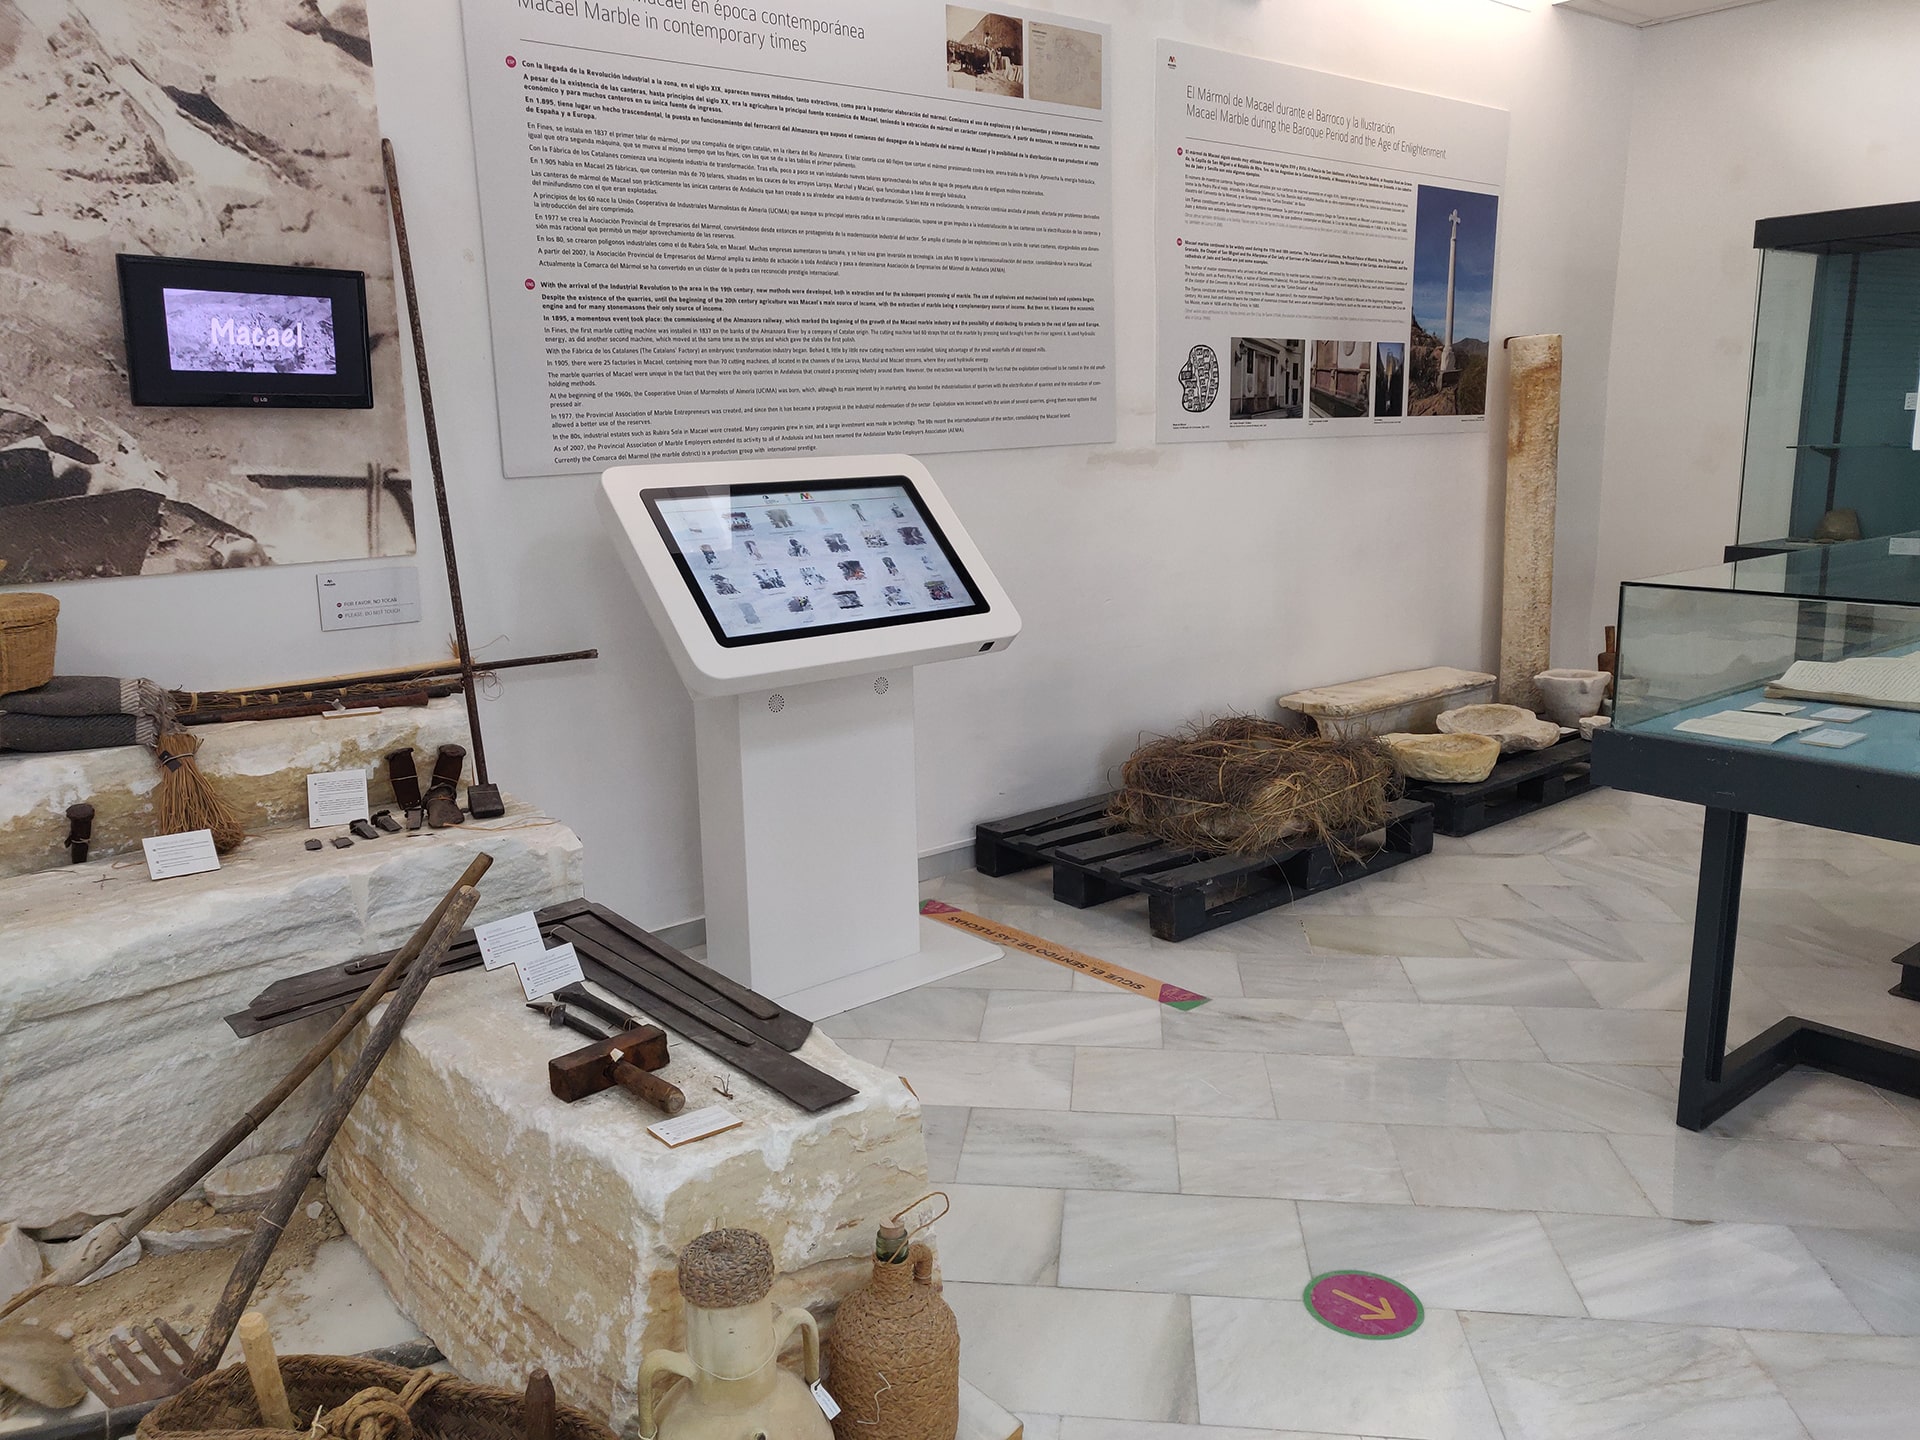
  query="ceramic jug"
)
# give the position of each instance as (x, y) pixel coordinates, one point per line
(731, 1385)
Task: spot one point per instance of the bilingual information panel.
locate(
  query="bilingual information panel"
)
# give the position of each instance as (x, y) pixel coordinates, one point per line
(1326, 252)
(720, 230)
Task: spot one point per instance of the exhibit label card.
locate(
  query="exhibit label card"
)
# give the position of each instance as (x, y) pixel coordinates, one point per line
(1840, 714)
(1325, 252)
(172, 855)
(693, 1125)
(502, 942)
(1834, 739)
(716, 231)
(546, 971)
(336, 797)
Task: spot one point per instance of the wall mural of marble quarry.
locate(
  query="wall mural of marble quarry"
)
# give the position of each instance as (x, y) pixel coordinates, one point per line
(235, 130)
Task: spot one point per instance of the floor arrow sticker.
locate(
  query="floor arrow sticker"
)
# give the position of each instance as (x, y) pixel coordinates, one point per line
(1364, 1305)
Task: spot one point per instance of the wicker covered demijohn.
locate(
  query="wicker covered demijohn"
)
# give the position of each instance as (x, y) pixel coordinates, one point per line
(732, 1386)
(29, 625)
(350, 1397)
(893, 1354)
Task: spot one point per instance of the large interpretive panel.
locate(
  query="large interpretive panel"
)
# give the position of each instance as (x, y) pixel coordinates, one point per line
(1325, 252)
(722, 230)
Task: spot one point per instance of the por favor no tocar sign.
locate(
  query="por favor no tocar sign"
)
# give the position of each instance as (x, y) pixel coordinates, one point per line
(1356, 1302)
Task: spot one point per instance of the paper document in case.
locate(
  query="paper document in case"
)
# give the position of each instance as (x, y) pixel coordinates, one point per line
(1892, 681)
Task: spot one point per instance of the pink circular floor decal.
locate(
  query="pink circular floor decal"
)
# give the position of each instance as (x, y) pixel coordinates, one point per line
(1356, 1302)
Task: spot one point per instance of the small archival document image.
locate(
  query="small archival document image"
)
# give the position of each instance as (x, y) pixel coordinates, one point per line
(1063, 65)
(232, 333)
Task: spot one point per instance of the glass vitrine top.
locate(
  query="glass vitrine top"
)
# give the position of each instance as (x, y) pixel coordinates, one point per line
(1883, 571)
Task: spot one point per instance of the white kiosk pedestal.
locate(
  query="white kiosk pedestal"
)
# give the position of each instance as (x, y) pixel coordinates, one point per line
(804, 712)
(812, 868)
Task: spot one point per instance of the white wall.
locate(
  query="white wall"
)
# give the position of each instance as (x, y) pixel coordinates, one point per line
(1156, 584)
(1775, 109)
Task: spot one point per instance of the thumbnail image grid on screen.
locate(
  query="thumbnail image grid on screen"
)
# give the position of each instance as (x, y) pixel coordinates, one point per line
(769, 565)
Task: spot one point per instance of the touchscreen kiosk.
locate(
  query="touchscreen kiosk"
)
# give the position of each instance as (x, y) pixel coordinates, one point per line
(796, 597)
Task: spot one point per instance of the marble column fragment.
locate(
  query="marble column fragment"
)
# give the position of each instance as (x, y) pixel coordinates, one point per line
(1533, 472)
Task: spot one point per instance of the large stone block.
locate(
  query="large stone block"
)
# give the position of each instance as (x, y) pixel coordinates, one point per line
(259, 766)
(516, 1230)
(118, 1067)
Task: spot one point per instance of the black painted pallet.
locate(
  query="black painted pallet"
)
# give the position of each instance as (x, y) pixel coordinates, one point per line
(1188, 892)
(1519, 785)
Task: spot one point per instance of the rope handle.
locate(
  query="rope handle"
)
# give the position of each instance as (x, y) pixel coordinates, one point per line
(361, 1417)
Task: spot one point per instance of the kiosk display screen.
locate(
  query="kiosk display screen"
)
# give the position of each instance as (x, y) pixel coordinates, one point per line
(840, 555)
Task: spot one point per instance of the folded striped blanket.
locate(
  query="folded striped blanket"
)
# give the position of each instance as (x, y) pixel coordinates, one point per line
(82, 712)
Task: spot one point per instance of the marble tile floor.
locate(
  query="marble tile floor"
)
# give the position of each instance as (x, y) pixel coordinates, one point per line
(1460, 1074)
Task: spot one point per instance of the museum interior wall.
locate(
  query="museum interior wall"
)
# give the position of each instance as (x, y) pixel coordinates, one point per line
(1780, 109)
(1147, 575)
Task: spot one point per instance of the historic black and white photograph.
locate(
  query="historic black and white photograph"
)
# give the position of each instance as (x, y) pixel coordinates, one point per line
(986, 52)
(233, 132)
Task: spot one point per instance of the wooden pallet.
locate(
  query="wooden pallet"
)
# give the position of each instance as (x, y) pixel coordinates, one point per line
(1188, 892)
(1518, 786)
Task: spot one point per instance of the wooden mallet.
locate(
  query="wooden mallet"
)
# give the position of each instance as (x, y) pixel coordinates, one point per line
(626, 1060)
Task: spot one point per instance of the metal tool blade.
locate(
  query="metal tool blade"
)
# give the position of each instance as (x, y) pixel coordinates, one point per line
(581, 997)
(579, 1021)
(787, 1075)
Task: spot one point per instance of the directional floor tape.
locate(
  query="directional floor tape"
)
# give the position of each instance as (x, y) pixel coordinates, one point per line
(1362, 1304)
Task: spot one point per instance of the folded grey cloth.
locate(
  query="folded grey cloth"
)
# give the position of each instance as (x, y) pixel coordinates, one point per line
(74, 732)
(88, 695)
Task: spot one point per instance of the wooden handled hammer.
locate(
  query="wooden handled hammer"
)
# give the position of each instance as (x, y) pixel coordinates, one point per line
(626, 1059)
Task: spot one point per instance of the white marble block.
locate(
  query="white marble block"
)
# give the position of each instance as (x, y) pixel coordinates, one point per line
(516, 1230)
(259, 767)
(118, 1066)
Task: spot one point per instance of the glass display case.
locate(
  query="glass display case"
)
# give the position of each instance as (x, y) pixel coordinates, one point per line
(1698, 645)
(1833, 437)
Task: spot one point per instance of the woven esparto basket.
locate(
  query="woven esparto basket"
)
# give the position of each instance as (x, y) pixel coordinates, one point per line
(421, 1404)
(27, 629)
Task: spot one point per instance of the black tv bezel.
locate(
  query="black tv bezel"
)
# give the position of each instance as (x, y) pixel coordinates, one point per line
(938, 536)
(150, 373)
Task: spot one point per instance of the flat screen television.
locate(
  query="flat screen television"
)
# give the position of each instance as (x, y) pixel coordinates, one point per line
(203, 332)
(839, 555)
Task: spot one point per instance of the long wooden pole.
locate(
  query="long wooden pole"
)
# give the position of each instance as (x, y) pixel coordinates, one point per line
(110, 1241)
(433, 455)
(306, 1160)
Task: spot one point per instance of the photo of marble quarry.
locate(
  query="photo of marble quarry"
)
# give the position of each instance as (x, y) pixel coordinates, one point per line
(208, 131)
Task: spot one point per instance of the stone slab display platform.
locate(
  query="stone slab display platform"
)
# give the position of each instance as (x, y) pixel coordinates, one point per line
(259, 766)
(516, 1230)
(115, 1064)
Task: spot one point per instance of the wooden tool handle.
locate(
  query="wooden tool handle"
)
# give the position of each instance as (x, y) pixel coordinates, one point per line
(650, 1087)
(306, 1160)
(263, 1366)
(541, 1413)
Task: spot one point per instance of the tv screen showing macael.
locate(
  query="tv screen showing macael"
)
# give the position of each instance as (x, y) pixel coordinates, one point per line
(203, 332)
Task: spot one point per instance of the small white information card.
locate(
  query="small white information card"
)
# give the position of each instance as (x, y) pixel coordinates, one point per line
(188, 854)
(504, 941)
(692, 1125)
(336, 797)
(1834, 739)
(1840, 714)
(546, 972)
